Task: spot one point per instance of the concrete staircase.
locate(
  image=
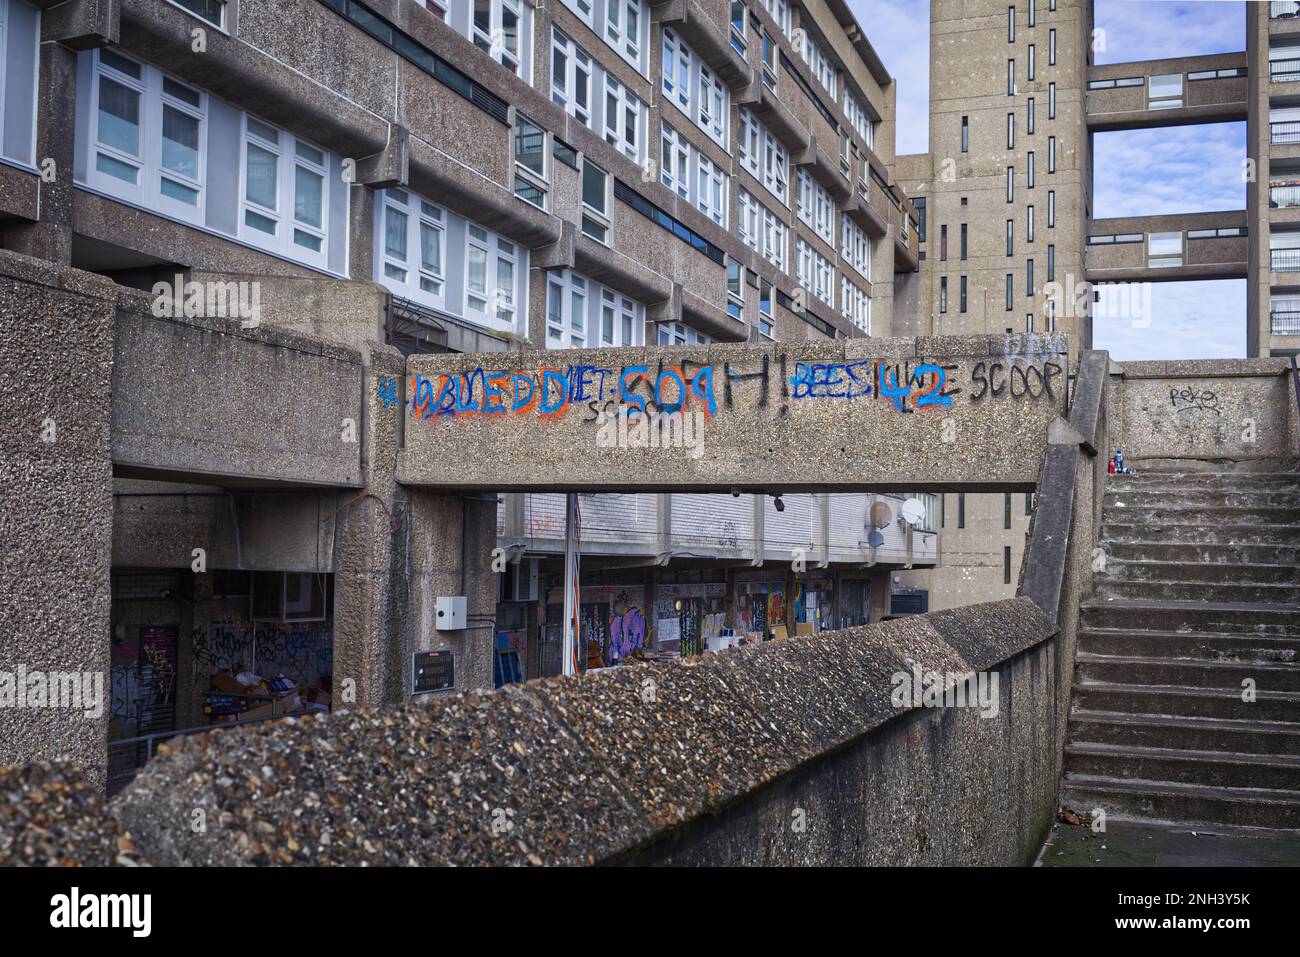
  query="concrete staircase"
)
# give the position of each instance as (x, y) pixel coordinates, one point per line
(1201, 590)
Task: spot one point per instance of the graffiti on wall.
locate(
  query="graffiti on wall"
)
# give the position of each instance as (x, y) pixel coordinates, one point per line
(303, 651)
(1027, 369)
(1190, 400)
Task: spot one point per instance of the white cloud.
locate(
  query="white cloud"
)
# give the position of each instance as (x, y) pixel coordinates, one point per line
(900, 32)
(1189, 320)
(1177, 169)
(1149, 30)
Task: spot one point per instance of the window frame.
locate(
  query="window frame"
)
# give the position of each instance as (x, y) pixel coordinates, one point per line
(289, 159)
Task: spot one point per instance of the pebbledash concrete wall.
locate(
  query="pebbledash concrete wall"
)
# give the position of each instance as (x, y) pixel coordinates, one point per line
(788, 752)
(1227, 409)
(56, 509)
(850, 414)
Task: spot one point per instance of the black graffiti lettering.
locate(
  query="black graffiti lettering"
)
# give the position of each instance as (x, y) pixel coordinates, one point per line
(979, 377)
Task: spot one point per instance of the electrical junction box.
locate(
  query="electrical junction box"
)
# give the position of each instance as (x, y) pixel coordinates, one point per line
(450, 614)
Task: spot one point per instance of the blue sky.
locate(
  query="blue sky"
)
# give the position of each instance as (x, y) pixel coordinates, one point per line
(1180, 169)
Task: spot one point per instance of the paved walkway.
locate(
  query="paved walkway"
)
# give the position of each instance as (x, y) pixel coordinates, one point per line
(1127, 844)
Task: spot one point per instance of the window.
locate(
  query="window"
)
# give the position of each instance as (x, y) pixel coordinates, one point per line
(1011, 184)
(1029, 278)
(814, 272)
(1006, 510)
(1011, 131)
(943, 294)
(581, 313)
(624, 119)
(1029, 170)
(693, 175)
(920, 204)
(1051, 47)
(858, 119)
(1011, 77)
(1051, 101)
(1051, 154)
(961, 509)
(771, 55)
(490, 270)
(963, 241)
(1164, 250)
(1032, 14)
(503, 30)
(1006, 564)
(1051, 263)
(1010, 290)
(595, 202)
(762, 154)
(780, 11)
(965, 134)
(20, 28)
(563, 152)
(1051, 208)
(1029, 69)
(531, 181)
(712, 190)
(815, 207)
(819, 64)
(855, 305)
(675, 161)
(680, 334)
(962, 305)
(1165, 91)
(694, 89)
(765, 321)
(760, 229)
(620, 23)
(1029, 224)
(735, 290)
(856, 248)
(739, 15)
(1011, 236)
(213, 11)
(1011, 24)
(1029, 116)
(411, 247)
(1029, 503)
(150, 138)
(943, 243)
(570, 77)
(284, 205)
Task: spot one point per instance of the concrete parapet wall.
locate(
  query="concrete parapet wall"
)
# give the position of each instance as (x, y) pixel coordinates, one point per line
(853, 414)
(703, 761)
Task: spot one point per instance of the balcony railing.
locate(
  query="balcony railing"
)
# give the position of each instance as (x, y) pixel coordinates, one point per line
(1282, 197)
(1287, 131)
(1285, 323)
(1284, 71)
(1284, 9)
(1285, 260)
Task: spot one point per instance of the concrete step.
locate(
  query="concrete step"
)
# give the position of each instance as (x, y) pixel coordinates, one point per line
(1203, 552)
(1267, 594)
(1171, 801)
(1159, 496)
(1185, 673)
(1239, 573)
(1163, 516)
(1209, 768)
(1208, 646)
(1183, 733)
(1128, 528)
(1221, 617)
(1187, 702)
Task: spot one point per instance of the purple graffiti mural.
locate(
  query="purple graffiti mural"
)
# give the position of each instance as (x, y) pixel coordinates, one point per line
(626, 633)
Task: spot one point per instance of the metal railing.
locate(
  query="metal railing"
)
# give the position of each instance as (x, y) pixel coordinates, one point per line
(1281, 197)
(1285, 260)
(1284, 323)
(1284, 71)
(1287, 131)
(1283, 9)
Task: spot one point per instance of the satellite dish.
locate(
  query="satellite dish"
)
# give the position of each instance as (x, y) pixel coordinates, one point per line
(914, 512)
(881, 515)
(875, 539)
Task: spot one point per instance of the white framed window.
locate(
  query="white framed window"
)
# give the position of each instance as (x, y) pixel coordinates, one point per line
(712, 190)
(148, 137)
(762, 230)
(1029, 68)
(531, 168)
(622, 24)
(1051, 101)
(1011, 184)
(815, 207)
(763, 155)
(1029, 224)
(694, 89)
(859, 120)
(624, 120)
(692, 175)
(820, 64)
(680, 334)
(735, 290)
(814, 271)
(20, 29)
(675, 161)
(491, 268)
(211, 11)
(283, 194)
(766, 322)
(503, 29)
(780, 11)
(856, 246)
(1051, 154)
(1029, 170)
(855, 304)
(1051, 208)
(1051, 47)
(581, 313)
(595, 202)
(570, 77)
(411, 247)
